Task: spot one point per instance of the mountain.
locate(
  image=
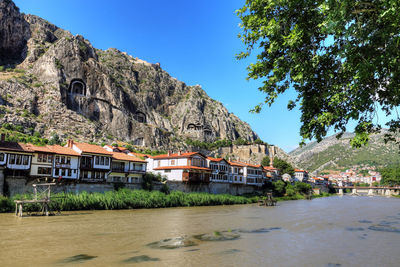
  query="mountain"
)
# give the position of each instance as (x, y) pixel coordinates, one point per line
(54, 82)
(337, 154)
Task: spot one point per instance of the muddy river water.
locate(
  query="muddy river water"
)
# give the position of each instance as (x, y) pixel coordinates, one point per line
(334, 231)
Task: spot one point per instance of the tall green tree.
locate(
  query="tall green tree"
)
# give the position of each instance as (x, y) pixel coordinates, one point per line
(265, 161)
(391, 176)
(283, 166)
(341, 57)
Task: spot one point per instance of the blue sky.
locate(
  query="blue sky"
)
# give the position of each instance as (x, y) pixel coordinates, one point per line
(194, 41)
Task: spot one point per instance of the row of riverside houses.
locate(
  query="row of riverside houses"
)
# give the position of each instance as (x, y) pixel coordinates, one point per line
(92, 163)
(75, 161)
(196, 167)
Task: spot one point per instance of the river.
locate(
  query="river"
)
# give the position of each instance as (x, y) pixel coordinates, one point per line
(334, 231)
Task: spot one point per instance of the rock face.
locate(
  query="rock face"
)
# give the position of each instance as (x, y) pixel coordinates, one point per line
(63, 85)
(14, 33)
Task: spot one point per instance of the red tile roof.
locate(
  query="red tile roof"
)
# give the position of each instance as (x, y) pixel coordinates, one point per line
(14, 146)
(216, 159)
(176, 155)
(64, 150)
(123, 156)
(182, 167)
(243, 164)
(237, 164)
(44, 149)
(95, 149)
(269, 168)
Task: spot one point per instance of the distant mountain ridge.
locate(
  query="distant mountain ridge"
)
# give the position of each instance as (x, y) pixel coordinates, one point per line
(333, 153)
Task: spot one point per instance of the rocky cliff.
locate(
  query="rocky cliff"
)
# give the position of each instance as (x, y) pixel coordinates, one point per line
(337, 154)
(54, 82)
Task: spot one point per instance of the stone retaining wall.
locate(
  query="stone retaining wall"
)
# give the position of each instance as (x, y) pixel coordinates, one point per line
(20, 185)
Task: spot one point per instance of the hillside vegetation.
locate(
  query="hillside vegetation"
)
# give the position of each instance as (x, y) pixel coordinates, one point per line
(337, 154)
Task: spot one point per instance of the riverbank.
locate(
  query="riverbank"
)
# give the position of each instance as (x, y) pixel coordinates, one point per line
(127, 199)
(136, 199)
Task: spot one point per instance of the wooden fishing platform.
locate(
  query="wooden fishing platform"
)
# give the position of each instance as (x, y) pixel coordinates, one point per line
(42, 193)
(269, 201)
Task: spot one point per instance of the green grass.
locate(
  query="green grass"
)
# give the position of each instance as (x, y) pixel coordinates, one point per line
(127, 199)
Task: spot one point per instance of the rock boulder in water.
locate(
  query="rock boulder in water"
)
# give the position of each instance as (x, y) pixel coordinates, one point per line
(172, 243)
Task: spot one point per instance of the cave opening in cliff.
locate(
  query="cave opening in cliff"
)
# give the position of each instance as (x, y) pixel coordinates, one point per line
(207, 132)
(139, 141)
(140, 117)
(77, 87)
(191, 126)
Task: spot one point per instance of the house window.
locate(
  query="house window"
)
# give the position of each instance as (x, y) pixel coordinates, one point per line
(2, 156)
(167, 171)
(101, 160)
(68, 160)
(11, 159)
(44, 171)
(97, 160)
(172, 162)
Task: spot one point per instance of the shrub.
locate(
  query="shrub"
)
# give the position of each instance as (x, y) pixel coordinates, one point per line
(302, 188)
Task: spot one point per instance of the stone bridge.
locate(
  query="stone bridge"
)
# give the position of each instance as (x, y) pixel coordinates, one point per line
(370, 191)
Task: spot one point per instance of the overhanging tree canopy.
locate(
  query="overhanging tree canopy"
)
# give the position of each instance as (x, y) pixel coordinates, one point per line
(342, 58)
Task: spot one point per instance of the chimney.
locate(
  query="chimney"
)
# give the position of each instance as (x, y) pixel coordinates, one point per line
(3, 137)
(179, 152)
(169, 152)
(70, 143)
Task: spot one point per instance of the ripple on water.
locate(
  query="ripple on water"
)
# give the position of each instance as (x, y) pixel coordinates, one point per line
(78, 258)
(364, 221)
(229, 251)
(354, 229)
(384, 228)
(141, 258)
(259, 230)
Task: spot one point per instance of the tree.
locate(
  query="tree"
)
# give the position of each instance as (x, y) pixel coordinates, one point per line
(341, 57)
(54, 139)
(279, 187)
(265, 161)
(391, 176)
(283, 166)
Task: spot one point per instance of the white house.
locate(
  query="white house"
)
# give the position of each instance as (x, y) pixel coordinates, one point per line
(15, 157)
(95, 161)
(66, 163)
(190, 167)
(237, 173)
(126, 168)
(301, 175)
(220, 170)
(42, 161)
